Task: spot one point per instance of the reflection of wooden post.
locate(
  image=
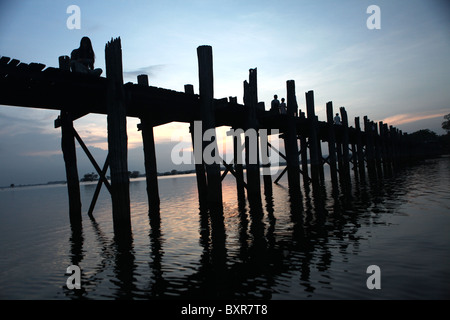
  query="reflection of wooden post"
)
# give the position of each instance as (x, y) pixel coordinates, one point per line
(70, 157)
(151, 171)
(117, 137)
(331, 143)
(206, 88)
(252, 159)
(199, 165)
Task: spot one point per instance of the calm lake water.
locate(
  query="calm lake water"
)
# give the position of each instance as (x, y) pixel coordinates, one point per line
(321, 251)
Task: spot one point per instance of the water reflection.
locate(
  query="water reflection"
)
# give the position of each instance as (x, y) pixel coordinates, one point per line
(320, 229)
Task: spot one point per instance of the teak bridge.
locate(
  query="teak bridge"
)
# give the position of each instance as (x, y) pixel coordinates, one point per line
(377, 148)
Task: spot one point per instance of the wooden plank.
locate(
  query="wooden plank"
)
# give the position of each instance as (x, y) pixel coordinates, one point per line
(98, 188)
(36, 67)
(13, 63)
(91, 158)
(4, 60)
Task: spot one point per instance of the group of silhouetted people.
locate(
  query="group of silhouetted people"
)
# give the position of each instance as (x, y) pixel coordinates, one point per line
(278, 107)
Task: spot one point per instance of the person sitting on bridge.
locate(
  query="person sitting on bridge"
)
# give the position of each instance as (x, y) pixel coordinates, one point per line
(82, 59)
(337, 119)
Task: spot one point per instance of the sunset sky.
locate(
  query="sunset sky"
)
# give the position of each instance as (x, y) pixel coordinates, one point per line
(399, 74)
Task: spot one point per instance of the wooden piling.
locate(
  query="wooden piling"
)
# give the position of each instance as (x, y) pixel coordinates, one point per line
(252, 159)
(206, 88)
(369, 142)
(304, 154)
(290, 140)
(393, 147)
(359, 149)
(377, 147)
(151, 171)
(70, 157)
(117, 137)
(200, 173)
(331, 143)
(238, 166)
(320, 156)
(345, 145)
(313, 138)
(265, 154)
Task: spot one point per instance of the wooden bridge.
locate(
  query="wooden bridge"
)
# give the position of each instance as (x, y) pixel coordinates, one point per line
(376, 147)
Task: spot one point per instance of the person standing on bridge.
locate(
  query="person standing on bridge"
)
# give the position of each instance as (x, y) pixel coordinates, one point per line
(337, 119)
(275, 105)
(283, 106)
(82, 59)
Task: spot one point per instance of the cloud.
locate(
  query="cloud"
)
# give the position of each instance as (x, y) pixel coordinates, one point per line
(412, 117)
(152, 71)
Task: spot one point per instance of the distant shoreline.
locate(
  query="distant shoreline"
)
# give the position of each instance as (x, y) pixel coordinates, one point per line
(160, 174)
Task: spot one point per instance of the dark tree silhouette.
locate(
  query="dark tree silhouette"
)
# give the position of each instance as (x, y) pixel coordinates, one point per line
(446, 123)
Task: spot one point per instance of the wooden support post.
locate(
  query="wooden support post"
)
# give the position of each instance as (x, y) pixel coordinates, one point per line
(290, 140)
(369, 134)
(345, 145)
(319, 155)
(206, 88)
(393, 146)
(151, 171)
(70, 158)
(331, 143)
(377, 147)
(238, 167)
(252, 147)
(98, 188)
(384, 136)
(117, 138)
(265, 154)
(359, 148)
(238, 163)
(199, 165)
(313, 139)
(304, 154)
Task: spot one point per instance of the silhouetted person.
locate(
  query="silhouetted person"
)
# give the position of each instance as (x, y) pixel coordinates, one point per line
(283, 108)
(275, 106)
(82, 59)
(337, 119)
